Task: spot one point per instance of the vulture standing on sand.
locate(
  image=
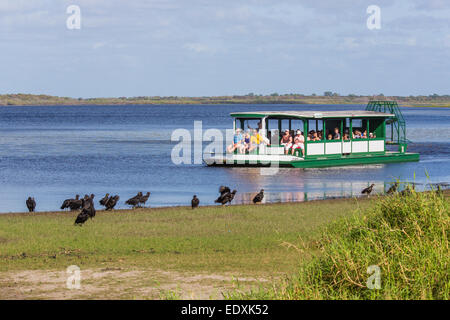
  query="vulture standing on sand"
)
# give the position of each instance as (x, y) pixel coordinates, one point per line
(259, 197)
(228, 197)
(223, 191)
(111, 203)
(393, 188)
(368, 190)
(195, 202)
(31, 204)
(104, 199)
(143, 199)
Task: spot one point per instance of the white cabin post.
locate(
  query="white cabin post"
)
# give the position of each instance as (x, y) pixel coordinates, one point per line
(262, 147)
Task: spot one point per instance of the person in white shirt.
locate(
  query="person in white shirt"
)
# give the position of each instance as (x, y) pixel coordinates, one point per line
(299, 142)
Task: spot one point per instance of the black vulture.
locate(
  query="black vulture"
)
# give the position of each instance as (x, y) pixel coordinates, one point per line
(31, 204)
(408, 190)
(368, 190)
(393, 188)
(112, 202)
(223, 191)
(82, 217)
(88, 205)
(143, 199)
(228, 197)
(135, 200)
(104, 199)
(259, 197)
(66, 203)
(76, 203)
(195, 202)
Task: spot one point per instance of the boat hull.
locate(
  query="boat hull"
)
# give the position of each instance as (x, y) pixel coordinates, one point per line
(319, 162)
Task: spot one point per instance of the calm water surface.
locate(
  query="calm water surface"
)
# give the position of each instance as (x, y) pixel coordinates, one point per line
(53, 153)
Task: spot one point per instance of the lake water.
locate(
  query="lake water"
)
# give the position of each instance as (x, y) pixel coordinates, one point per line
(53, 153)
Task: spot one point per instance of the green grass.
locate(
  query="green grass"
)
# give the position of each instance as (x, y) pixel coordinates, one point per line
(312, 250)
(247, 239)
(405, 236)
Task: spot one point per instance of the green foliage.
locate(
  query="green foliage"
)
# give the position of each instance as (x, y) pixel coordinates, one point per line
(406, 236)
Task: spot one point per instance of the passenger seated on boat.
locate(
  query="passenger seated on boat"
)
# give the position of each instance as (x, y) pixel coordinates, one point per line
(372, 135)
(346, 137)
(320, 134)
(246, 143)
(364, 135)
(330, 136)
(337, 135)
(313, 136)
(356, 134)
(286, 141)
(237, 142)
(299, 142)
(255, 140)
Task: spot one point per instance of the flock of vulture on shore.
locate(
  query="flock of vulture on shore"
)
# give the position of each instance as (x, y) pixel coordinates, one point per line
(86, 204)
(87, 208)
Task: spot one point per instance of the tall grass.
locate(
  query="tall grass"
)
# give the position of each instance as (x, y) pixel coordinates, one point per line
(406, 236)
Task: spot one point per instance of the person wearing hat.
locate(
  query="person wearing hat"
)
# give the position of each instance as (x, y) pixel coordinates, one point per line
(286, 141)
(299, 142)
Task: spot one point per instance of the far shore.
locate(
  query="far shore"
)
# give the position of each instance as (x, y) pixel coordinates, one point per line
(46, 100)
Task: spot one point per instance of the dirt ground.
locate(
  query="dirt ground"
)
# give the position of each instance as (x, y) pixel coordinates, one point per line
(117, 283)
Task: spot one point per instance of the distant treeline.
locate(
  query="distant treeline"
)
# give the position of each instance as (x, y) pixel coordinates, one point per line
(274, 98)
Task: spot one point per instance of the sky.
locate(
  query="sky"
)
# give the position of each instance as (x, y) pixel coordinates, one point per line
(211, 48)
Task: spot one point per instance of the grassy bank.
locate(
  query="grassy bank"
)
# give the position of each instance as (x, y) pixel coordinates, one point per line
(213, 252)
(411, 101)
(406, 237)
(167, 245)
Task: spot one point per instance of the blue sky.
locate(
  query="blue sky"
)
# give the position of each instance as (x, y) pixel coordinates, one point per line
(208, 47)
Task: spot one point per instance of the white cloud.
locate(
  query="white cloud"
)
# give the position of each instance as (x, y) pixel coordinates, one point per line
(199, 47)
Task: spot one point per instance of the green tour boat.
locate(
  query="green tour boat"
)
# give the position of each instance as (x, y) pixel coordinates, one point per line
(315, 139)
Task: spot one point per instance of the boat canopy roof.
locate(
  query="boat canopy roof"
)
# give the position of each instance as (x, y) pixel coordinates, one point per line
(313, 114)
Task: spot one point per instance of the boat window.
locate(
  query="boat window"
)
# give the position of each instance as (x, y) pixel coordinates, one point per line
(359, 128)
(252, 124)
(272, 131)
(297, 124)
(315, 130)
(333, 129)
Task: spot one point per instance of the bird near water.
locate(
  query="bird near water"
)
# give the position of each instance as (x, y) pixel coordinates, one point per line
(111, 203)
(393, 188)
(259, 197)
(66, 203)
(31, 204)
(228, 197)
(368, 190)
(104, 199)
(143, 199)
(223, 191)
(195, 202)
(134, 201)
